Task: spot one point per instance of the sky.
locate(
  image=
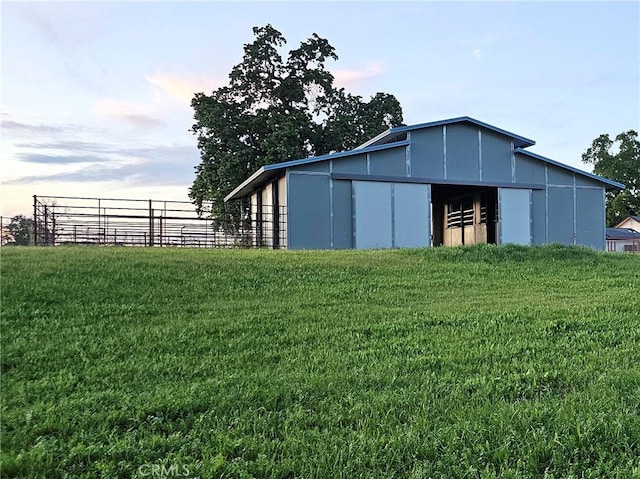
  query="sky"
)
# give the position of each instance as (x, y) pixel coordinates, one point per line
(95, 96)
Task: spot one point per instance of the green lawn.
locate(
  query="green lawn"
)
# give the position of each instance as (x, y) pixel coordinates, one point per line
(460, 362)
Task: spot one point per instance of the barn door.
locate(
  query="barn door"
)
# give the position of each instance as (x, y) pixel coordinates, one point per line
(514, 210)
(411, 215)
(391, 215)
(372, 214)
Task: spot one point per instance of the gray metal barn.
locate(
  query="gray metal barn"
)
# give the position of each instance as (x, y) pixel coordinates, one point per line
(451, 182)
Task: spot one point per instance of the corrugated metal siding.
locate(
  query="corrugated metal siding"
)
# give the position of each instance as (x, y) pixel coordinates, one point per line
(356, 165)
(590, 227)
(539, 217)
(462, 162)
(560, 215)
(496, 157)
(388, 162)
(308, 212)
(529, 170)
(558, 176)
(342, 215)
(427, 153)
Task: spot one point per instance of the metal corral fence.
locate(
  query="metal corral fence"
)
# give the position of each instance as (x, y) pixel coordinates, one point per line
(60, 220)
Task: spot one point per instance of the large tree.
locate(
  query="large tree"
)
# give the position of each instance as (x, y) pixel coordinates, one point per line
(275, 110)
(618, 160)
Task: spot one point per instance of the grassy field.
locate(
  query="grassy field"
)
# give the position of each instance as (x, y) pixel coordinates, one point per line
(462, 362)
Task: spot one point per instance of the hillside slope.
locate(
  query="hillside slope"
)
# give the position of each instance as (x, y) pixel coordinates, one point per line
(464, 362)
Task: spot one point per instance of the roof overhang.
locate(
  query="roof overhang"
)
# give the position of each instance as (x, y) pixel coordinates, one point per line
(610, 184)
(270, 172)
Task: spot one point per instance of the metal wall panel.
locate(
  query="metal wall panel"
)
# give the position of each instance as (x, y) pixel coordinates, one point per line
(529, 170)
(356, 165)
(342, 215)
(317, 167)
(558, 176)
(590, 227)
(496, 157)
(427, 153)
(462, 158)
(372, 211)
(392, 162)
(560, 215)
(539, 216)
(309, 212)
(514, 207)
(586, 181)
(411, 220)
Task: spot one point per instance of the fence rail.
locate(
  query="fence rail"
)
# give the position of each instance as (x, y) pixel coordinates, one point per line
(59, 220)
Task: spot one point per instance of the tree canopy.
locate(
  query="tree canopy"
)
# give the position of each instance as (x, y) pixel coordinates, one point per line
(276, 109)
(18, 232)
(618, 160)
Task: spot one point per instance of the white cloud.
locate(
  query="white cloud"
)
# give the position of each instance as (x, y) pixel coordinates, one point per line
(183, 87)
(350, 78)
(139, 115)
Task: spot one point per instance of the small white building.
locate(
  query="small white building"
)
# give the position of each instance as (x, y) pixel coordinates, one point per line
(632, 222)
(623, 240)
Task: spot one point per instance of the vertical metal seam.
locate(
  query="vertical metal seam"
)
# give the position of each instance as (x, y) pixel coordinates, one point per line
(331, 206)
(393, 215)
(444, 150)
(430, 219)
(408, 155)
(530, 216)
(368, 163)
(480, 154)
(513, 163)
(353, 214)
(500, 216)
(604, 219)
(575, 212)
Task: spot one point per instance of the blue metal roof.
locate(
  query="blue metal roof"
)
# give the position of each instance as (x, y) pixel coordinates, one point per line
(622, 234)
(609, 182)
(518, 141)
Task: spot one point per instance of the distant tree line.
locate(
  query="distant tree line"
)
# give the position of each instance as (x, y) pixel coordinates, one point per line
(618, 160)
(18, 232)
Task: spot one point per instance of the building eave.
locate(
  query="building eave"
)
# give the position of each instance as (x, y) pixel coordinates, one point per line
(610, 183)
(269, 172)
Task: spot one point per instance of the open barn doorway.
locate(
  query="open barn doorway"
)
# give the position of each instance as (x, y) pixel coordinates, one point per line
(464, 215)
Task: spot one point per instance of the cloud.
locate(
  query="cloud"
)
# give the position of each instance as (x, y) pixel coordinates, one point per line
(349, 78)
(140, 116)
(74, 145)
(57, 159)
(150, 165)
(183, 88)
(16, 128)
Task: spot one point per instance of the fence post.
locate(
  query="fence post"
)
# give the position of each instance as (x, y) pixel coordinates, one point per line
(35, 220)
(150, 223)
(46, 225)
